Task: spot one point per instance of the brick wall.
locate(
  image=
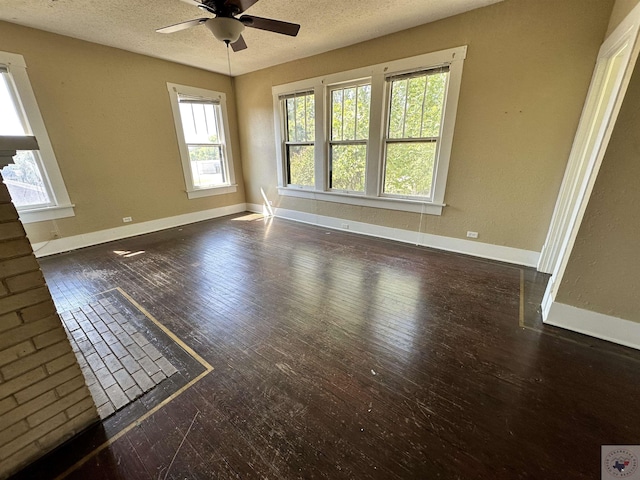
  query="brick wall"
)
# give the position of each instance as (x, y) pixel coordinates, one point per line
(43, 396)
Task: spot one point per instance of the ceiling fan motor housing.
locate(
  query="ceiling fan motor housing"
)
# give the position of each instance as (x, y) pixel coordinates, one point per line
(225, 29)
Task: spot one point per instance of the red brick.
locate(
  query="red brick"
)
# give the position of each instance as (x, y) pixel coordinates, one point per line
(27, 330)
(10, 320)
(15, 248)
(35, 359)
(8, 212)
(11, 230)
(37, 312)
(18, 301)
(25, 281)
(16, 266)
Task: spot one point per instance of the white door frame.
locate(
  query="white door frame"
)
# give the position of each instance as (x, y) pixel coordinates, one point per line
(616, 61)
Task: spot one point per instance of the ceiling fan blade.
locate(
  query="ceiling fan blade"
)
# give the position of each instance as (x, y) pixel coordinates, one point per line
(193, 2)
(182, 25)
(202, 5)
(239, 44)
(242, 5)
(270, 25)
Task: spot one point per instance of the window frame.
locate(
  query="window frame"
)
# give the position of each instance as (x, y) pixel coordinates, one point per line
(60, 205)
(286, 142)
(357, 83)
(373, 195)
(386, 141)
(220, 98)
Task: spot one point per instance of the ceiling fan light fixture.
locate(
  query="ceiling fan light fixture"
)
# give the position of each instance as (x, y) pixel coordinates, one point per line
(225, 29)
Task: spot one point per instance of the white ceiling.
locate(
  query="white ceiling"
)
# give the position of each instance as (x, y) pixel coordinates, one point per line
(326, 25)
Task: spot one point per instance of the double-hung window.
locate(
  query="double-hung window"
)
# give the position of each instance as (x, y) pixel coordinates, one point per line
(414, 120)
(202, 130)
(387, 131)
(33, 179)
(299, 113)
(350, 107)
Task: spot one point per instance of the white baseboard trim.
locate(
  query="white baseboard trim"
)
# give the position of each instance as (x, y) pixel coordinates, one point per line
(74, 242)
(457, 245)
(594, 324)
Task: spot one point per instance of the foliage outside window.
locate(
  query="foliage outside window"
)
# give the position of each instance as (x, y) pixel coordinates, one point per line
(202, 131)
(349, 136)
(387, 131)
(413, 132)
(200, 121)
(299, 112)
(24, 178)
(33, 179)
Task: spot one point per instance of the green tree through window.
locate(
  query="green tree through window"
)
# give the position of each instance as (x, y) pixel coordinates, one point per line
(415, 117)
(350, 107)
(300, 136)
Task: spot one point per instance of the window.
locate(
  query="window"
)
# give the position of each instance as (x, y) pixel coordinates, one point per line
(415, 109)
(202, 129)
(33, 180)
(387, 131)
(349, 137)
(299, 112)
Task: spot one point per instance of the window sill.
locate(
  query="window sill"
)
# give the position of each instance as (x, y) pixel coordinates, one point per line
(207, 192)
(404, 205)
(46, 213)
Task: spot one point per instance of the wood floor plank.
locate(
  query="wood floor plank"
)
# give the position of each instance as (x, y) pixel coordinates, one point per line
(340, 356)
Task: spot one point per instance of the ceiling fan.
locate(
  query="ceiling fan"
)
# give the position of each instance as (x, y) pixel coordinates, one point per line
(226, 27)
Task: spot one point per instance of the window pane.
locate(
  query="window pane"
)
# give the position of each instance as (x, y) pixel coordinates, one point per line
(348, 167)
(206, 166)
(310, 133)
(300, 159)
(300, 118)
(349, 102)
(416, 105)
(24, 181)
(433, 105)
(336, 115)
(199, 122)
(409, 168)
(396, 110)
(350, 113)
(10, 123)
(364, 106)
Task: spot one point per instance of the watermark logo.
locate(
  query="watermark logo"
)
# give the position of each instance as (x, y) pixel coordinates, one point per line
(620, 461)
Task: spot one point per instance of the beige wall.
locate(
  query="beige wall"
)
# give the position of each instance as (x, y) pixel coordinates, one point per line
(525, 79)
(603, 271)
(109, 119)
(620, 10)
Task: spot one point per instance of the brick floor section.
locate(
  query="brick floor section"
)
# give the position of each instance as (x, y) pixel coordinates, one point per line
(119, 363)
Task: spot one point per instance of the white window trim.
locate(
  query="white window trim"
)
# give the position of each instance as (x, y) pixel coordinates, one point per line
(372, 197)
(62, 206)
(191, 190)
(329, 120)
(286, 140)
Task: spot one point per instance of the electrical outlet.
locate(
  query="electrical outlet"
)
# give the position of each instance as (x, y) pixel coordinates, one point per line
(271, 202)
(472, 234)
(126, 219)
(345, 226)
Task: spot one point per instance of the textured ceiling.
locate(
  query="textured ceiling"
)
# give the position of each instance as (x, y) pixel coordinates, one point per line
(326, 25)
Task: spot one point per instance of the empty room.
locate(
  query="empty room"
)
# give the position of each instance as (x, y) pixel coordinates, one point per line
(317, 239)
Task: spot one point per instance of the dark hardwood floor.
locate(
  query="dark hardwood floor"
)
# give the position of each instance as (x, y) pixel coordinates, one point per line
(341, 356)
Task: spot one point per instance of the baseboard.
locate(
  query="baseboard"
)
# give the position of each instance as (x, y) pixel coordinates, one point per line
(478, 249)
(613, 329)
(74, 242)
